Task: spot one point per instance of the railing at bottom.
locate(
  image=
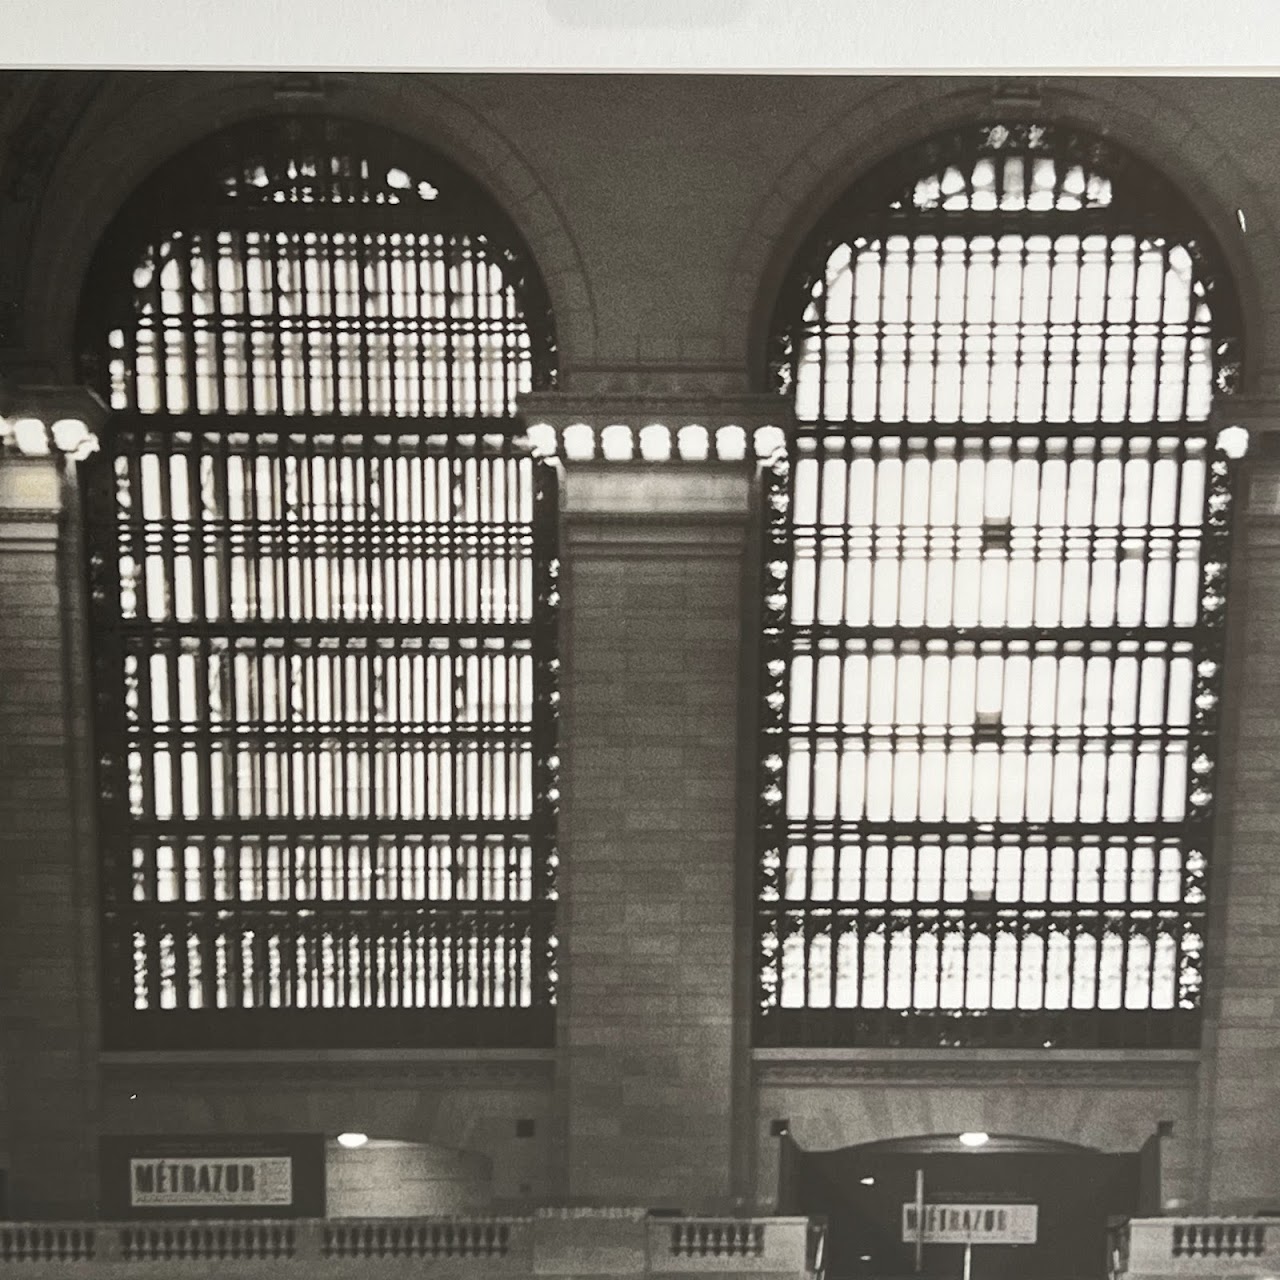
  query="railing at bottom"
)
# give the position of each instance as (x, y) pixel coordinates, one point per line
(733, 1244)
(112, 1244)
(409, 1239)
(546, 1243)
(1195, 1246)
(703, 1239)
(47, 1242)
(217, 1241)
(1219, 1239)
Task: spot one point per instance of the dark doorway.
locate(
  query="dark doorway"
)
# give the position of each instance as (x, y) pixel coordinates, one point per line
(861, 1192)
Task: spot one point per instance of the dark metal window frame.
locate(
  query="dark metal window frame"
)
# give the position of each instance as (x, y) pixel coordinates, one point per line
(1145, 204)
(206, 190)
(192, 192)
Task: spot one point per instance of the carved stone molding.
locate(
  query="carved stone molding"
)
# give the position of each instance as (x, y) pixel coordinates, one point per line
(38, 421)
(395, 1071)
(654, 383)
(1259, 413)
(671, 415)
(1147, 1071)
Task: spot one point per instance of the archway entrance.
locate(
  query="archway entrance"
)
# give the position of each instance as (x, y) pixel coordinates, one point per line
(863, 1191)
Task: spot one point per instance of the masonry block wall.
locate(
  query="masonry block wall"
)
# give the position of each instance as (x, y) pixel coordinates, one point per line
(1240, 1076)
(651, 655)
(1111, 1102)
(484, 1104)
(663, 211)
(46, 1043)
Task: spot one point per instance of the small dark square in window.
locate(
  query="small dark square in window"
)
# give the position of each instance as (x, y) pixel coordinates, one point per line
(988, 726)
(780, 1128)
(997, 533)
(525, 1128)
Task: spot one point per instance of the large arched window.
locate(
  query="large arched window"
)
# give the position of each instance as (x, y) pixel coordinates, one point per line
(323, 592)
(996, 558)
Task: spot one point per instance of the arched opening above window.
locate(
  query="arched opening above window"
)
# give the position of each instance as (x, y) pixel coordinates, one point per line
(311, 266)
(323, 576)
(992, 643)
(1014, 273)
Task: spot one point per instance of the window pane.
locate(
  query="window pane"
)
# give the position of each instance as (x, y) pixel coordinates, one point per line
(324, 594)
(993, 634)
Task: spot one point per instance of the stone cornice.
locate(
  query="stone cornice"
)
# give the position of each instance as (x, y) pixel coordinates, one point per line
(36, 420)
(652, 490)
(210, 1072)
(1155, 1070)
(1259, 413)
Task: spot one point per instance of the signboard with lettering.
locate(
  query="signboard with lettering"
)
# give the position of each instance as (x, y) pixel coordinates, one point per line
(214, 1176)
(971, 1223)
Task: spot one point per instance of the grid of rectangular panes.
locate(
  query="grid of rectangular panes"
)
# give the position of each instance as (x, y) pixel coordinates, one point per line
(1006, 327)
(400, 323)
(995, 559)
(330, 790)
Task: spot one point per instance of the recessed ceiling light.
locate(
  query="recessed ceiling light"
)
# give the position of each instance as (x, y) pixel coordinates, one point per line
(975, 1139)
(352, 1139)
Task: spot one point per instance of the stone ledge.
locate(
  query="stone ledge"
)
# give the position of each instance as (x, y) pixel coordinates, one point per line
(929, 1067)
(306, 1069)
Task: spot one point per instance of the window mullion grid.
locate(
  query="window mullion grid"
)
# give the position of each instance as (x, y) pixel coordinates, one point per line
(776, 658)
(839, 921)
(143, 732)
(263, 764)
(272, 730)
(544, 606)
(1046, 921)
(176, 735)
(812, 925)
(111, 723)
(249, 244)
(362, 259)
(305, 256)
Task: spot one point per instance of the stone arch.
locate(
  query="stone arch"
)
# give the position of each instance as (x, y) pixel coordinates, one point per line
(138, 123)
(1108, 1120)
(1131, 112)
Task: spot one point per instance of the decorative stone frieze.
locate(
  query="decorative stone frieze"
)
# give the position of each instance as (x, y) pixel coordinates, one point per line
(682, 416)
(37, 422)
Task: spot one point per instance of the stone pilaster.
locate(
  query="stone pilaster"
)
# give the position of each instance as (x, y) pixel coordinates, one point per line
(47, 944)
(1239, 1114)
(657, 505)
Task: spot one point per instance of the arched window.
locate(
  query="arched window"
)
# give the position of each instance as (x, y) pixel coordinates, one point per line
(997, 558)
(323, 593)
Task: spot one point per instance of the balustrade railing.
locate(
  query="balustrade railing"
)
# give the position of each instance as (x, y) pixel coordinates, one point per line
(732, 1245)
(415, 1239)
(1207, 1246)
(493, 1246)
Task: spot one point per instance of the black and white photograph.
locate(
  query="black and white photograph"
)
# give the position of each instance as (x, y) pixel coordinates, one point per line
(640, 663)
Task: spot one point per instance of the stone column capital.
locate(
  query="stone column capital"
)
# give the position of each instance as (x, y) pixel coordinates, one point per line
(39, 421)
